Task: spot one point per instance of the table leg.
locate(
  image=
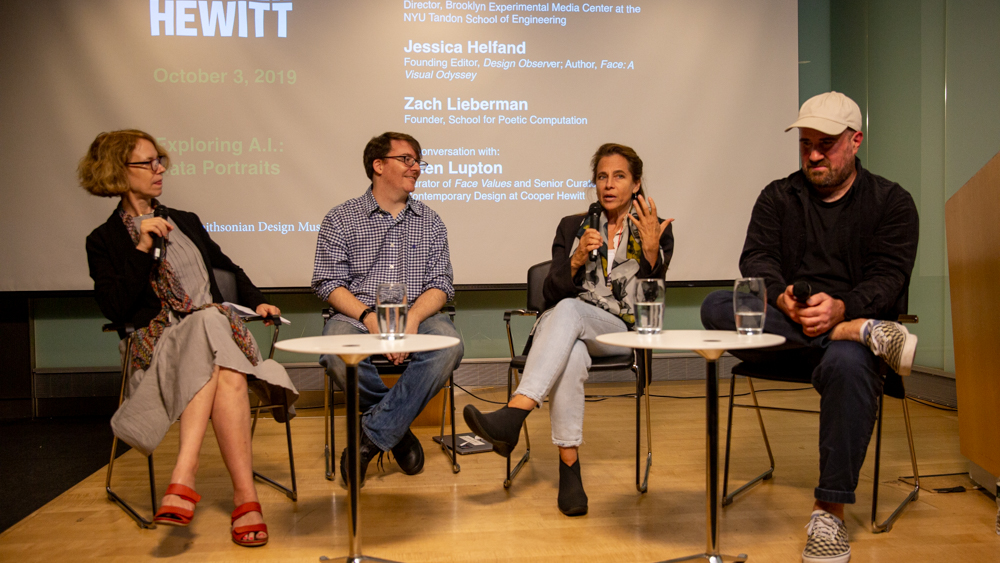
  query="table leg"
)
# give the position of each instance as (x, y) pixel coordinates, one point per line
(643, 379)
(712, 504)
(353, 465)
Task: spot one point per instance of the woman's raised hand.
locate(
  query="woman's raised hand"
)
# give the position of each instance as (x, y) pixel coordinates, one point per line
(649, 226)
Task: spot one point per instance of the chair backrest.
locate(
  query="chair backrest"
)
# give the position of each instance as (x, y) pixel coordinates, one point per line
(226, 281)
(901, 307)
(536, 279)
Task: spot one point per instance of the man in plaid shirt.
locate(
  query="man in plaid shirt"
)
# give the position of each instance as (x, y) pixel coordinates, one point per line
(380, 237)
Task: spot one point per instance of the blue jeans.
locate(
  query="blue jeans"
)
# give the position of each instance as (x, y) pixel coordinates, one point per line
(388, 413)
(564, 340)
(847, 376)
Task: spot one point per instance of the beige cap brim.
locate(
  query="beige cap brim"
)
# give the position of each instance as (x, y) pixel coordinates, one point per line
(821, 124)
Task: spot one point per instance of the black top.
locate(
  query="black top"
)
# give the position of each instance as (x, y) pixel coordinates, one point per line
(121, 273)
(876, 235)
(824, 265)
(560, 284)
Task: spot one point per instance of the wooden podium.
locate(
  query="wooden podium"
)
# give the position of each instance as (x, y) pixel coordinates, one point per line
(972, 220)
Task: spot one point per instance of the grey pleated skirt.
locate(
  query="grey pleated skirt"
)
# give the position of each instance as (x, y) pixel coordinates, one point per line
(183, 361)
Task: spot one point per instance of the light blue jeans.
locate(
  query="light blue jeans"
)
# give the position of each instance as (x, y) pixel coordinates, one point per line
(388, 413)
(564, 341)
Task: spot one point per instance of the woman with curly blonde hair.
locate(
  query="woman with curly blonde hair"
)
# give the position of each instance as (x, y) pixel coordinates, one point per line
(193, 357)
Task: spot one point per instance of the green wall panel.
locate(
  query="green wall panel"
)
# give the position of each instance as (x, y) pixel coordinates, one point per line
(67, 333)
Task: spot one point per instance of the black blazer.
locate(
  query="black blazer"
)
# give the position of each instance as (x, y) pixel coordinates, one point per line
(560, 283)
(121, 273)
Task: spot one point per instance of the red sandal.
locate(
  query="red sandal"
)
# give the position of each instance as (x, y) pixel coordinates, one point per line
(175, 515)
(240, 531)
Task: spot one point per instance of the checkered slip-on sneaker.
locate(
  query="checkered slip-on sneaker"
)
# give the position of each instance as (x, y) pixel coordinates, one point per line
(827, 541)
(891, 342)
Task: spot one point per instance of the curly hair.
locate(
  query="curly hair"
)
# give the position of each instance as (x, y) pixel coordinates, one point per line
(103, 170)
(628, 153)
(379, 147)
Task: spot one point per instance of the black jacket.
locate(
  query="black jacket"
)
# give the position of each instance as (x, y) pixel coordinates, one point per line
(121, 273)
(560, 284)
(877, 234)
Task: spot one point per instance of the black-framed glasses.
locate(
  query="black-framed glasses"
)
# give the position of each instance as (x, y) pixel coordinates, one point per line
(153, 164)
(408, 160)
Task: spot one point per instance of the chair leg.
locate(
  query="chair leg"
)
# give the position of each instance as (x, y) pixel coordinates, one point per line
(642, 383)
(880, 527)
(513, 373)
(331, 470)
(291, 457)
(455, 467)
(113, 496)
(729, 441)
(256, 412)
(451, 452)
(291, 493)
(728, 499)
(122, 503)
(152, 482)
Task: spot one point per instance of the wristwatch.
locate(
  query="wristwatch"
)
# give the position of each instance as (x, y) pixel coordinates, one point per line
(361, 319)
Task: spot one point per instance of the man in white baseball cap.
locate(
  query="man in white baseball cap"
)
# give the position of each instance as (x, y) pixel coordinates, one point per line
(851, 236)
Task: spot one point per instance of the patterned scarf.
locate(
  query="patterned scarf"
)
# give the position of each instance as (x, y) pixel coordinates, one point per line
(168, 288)
(612, 288)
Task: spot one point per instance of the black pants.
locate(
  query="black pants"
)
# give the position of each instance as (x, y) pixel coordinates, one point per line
(847, 376)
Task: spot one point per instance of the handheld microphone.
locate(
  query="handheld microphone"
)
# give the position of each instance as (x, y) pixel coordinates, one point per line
(159, 243)
(595, 223)
(802, 291)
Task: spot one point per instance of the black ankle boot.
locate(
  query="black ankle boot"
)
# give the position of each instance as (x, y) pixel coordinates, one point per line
(367, 451)
(501, 428)
(572, 498)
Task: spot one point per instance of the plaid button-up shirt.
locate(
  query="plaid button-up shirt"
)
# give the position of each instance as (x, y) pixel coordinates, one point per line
(360, 246)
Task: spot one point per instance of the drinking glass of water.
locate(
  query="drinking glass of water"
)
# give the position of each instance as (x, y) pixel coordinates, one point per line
(750, 305)
(649, 306)
(390, 301)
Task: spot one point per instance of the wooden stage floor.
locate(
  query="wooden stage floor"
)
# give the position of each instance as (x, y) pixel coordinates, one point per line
(469, 516)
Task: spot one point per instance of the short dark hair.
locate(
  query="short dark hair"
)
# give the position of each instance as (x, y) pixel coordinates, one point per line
(379, 147)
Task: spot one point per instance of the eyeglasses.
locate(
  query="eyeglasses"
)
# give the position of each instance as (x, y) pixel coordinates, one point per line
(408, 160)
(153, 164)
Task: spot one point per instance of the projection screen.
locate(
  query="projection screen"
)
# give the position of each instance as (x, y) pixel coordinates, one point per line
(265, 108)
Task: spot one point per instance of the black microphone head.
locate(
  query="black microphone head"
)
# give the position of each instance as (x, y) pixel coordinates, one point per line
(802, 291)
(595, 214)
(159, 243)
(594, 217)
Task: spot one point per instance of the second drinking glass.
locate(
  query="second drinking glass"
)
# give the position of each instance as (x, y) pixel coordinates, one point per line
(649, 306)
(750, 305)
(391, 306)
